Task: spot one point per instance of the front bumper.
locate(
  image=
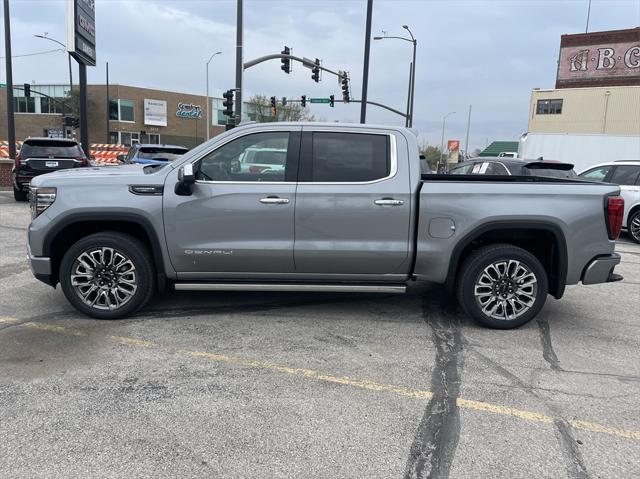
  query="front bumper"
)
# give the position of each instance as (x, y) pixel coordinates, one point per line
(600, 270)
(40, 267)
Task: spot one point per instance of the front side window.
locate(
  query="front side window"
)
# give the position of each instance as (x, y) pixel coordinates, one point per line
(625, 175)
(596, 174)
(549, 107)
(254, 157)
(349, 157)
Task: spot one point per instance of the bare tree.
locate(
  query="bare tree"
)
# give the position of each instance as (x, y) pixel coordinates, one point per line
(260, 110)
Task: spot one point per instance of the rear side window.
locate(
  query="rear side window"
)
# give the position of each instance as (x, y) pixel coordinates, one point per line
(349, 157)
(495, 169)
(47, 148)
(596, 174)
(625, 175)
(552, 173)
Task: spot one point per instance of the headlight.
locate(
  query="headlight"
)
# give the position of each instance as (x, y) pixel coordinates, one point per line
(40, 199)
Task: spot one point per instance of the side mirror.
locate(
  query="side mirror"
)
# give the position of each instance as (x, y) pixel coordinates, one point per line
(235, 166)
(121, 158)
(186, 178)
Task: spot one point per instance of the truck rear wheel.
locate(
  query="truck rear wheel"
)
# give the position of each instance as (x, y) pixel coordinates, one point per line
(502, 286)
(107, 275)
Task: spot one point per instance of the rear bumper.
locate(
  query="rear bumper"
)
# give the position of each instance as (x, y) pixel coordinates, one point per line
(40, 267)
(600, 270)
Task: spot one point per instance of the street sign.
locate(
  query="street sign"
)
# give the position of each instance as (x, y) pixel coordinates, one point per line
(81, 30)
(308, 62)
(318, 100)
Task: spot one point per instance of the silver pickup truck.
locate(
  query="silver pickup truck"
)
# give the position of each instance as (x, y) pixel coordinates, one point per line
(350, 211)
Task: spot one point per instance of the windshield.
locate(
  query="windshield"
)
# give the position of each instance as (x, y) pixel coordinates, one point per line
(270, 157)
(47, 148)
(169, 154)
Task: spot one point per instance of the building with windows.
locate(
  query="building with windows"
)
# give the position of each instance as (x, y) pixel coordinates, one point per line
(597, 88)
(126, 116)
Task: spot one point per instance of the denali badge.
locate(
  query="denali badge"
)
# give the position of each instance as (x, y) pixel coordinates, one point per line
(208, 252)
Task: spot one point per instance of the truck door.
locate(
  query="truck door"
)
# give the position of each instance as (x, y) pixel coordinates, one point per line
(239, 218)
(353, 203)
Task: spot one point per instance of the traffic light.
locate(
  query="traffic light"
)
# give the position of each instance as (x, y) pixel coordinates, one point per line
(27, 90)
(274, 110)
(68, 121)
(286, 62)
(303, 100)
(332, 101)
(228, 103)
(345, 87)
(76, 122)
(284, 100)
(315, 71)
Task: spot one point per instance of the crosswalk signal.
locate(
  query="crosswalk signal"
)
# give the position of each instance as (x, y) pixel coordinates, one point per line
(315, 71)
(274, 109)
(345, 87)
(27, 90)
(228, 103)
(332, 101)
(303, 100)
(76, 122)
(286, 62)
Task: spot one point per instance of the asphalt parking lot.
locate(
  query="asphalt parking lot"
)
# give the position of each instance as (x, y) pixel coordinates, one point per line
(315, 385)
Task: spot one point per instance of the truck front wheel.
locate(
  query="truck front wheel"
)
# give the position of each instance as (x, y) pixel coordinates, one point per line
(107, 275)
(502, 286)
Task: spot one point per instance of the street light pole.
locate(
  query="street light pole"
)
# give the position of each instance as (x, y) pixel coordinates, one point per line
(444, 119)
(45, 37)
(209, 101)
(412, 73)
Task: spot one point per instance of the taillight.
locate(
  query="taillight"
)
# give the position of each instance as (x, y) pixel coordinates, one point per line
(17, 160)
(614, 214)
(83, 160)
(257, 169)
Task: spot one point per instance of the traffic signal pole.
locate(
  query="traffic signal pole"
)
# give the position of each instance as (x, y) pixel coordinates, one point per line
(11, 126)
(238, 112)
(84, 120)
(365, 70)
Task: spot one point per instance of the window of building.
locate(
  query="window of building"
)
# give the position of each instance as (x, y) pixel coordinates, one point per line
(151, 138)
(24, 105)
(349, 157)
(549, 107)
(121, 110)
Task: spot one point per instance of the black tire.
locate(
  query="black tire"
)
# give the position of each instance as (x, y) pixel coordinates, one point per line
(472, 273)
(125, 246)
(19, 195)
(633, 226)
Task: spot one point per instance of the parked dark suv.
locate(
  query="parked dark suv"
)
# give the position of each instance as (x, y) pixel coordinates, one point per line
(43, 155)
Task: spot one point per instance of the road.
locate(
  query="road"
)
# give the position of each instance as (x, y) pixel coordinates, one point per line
(315, 385)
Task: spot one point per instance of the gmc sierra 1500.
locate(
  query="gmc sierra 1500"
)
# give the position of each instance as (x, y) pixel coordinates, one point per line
(348, 211)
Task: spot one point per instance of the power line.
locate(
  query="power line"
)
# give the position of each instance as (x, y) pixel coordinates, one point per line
(36, 53)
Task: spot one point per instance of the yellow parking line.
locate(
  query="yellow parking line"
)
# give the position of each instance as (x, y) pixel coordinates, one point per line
(481, 406)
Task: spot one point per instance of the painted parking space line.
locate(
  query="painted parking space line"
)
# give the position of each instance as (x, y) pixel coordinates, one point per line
(480, 406)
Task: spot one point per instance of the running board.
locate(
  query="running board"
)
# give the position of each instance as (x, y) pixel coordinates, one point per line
(325, 288)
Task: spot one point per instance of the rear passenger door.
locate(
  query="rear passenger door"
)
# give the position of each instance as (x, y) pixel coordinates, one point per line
(353, 204)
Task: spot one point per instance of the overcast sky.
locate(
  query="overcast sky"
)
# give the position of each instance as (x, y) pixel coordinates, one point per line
(487, 53)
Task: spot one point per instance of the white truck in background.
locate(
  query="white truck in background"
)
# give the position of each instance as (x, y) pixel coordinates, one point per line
(582, 150)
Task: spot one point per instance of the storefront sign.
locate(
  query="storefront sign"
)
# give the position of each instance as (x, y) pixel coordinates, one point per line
(600, 59)
(155, 112)
(189, 110)
(81, 30)
(454, 149)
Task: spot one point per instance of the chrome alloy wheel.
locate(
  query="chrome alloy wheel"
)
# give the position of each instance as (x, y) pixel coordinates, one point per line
(506, 289)
(104, 278)
(635, 228)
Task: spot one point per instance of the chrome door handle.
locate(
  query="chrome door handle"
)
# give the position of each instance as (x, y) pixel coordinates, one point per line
(388, 202)
(274, 200)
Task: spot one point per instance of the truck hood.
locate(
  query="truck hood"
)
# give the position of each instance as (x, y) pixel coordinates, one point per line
(91, 174)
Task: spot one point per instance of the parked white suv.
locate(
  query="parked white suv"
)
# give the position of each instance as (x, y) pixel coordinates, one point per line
(625, 173)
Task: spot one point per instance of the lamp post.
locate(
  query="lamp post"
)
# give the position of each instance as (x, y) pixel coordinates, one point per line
(444, 119)
(45, 37)
(209, 101)
(412, 73)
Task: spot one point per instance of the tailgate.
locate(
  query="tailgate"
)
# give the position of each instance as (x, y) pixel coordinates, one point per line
(50, 164)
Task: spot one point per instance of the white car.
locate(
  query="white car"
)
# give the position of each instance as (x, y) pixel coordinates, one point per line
(263, 160)
(625, 173)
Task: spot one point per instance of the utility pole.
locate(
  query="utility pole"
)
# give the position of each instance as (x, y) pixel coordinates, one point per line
(108, 103)
(11, 126)
(238, 112)
(84, 127)
(586, 30)
(466, 141)
(365, 70)
(406, 122)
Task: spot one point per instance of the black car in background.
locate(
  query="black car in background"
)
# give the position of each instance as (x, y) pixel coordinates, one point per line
(514, 167)
(44, 155)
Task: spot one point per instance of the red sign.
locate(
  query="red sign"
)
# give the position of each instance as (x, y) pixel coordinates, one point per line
(453, 145)
(599, 59)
